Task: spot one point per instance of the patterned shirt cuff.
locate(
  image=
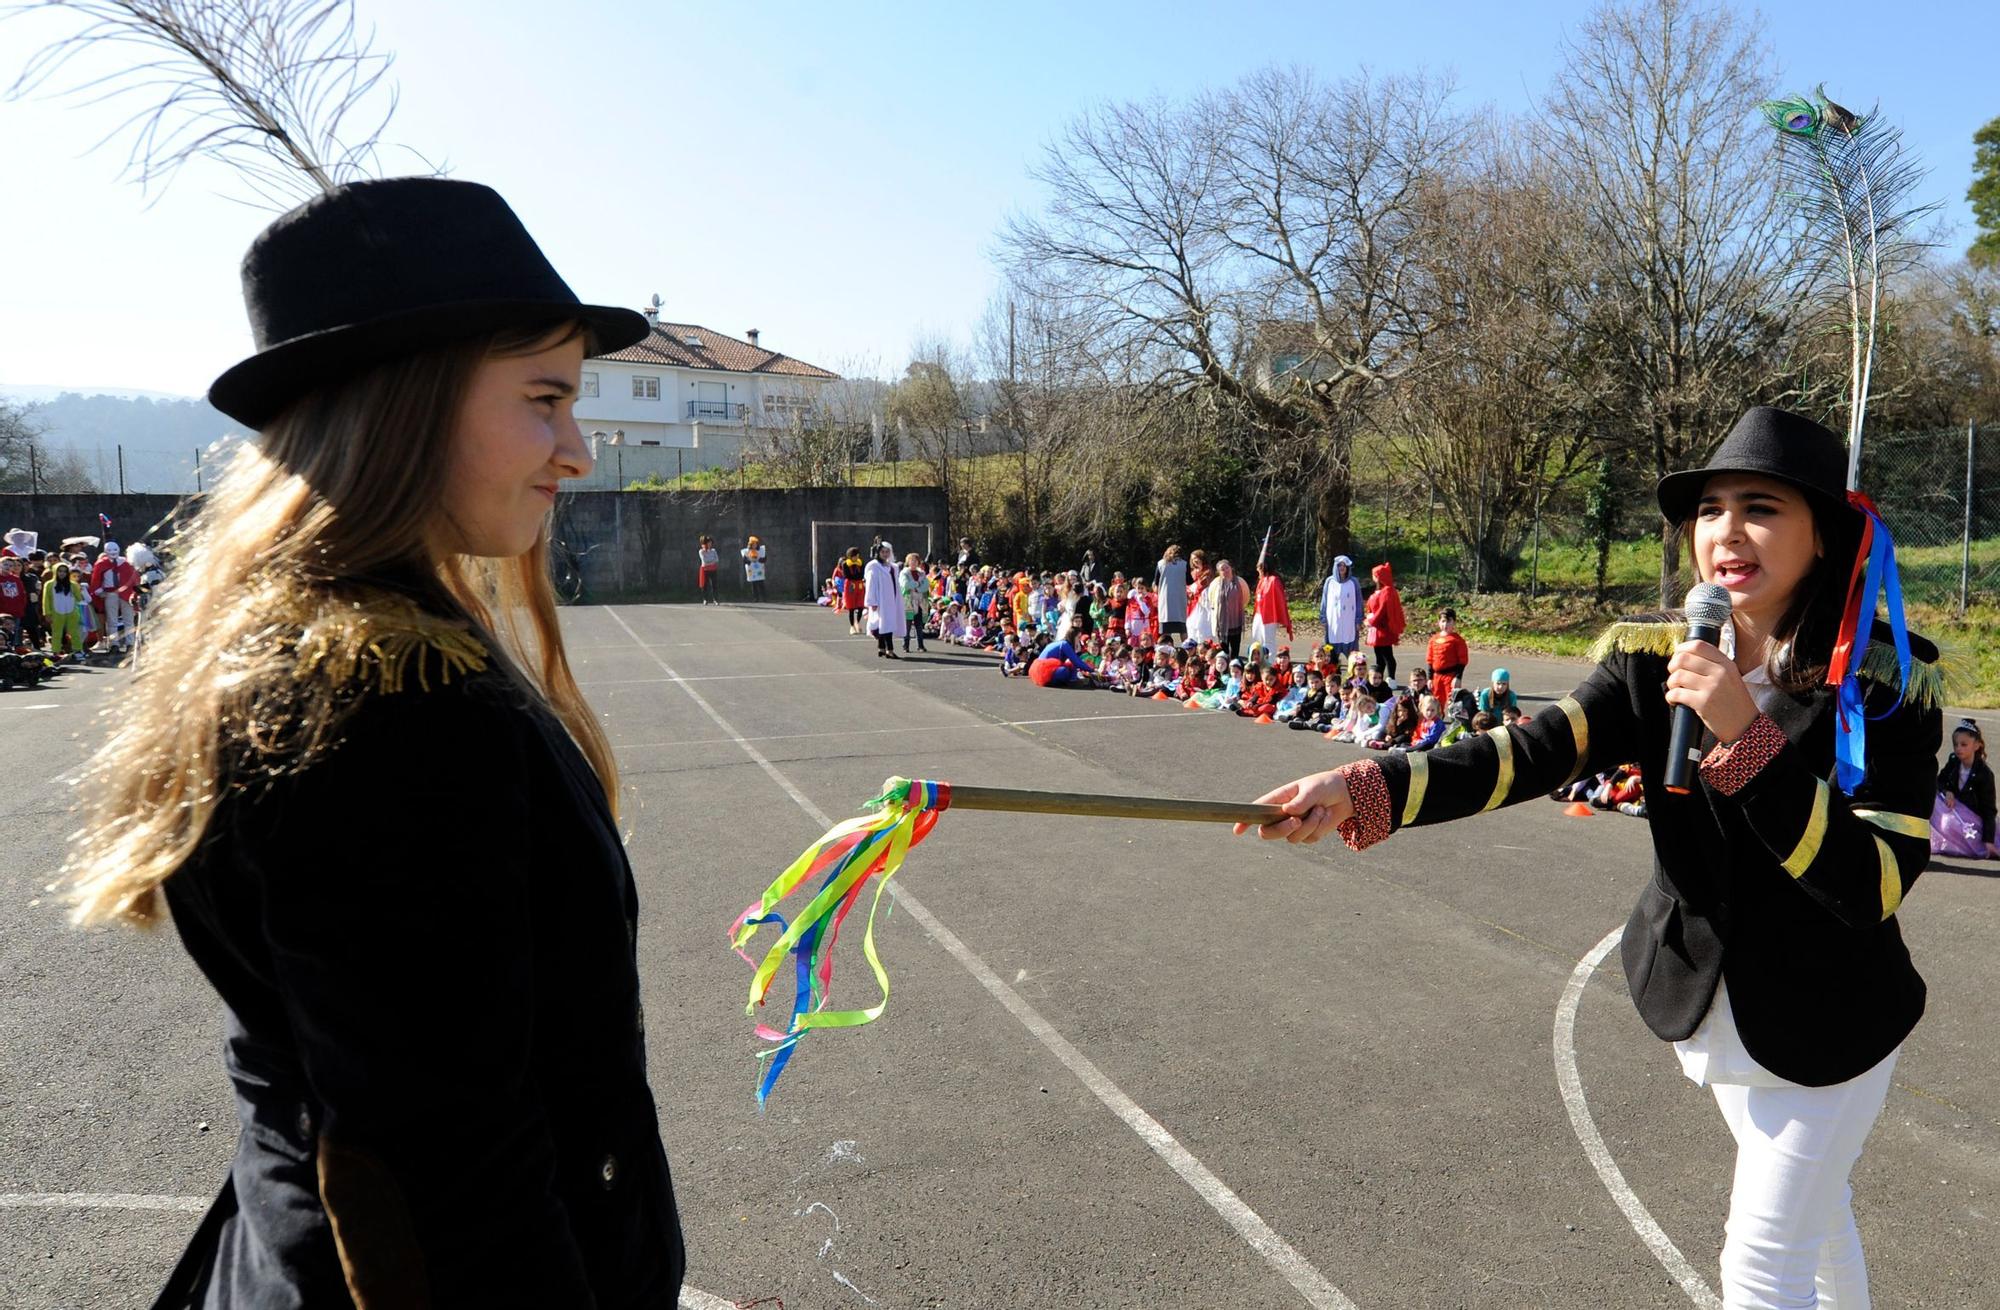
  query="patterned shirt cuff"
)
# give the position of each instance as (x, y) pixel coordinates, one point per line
(1728, 769)
(1370, 796)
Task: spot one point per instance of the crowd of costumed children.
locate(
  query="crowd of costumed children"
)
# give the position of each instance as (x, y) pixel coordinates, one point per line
(1210, 640)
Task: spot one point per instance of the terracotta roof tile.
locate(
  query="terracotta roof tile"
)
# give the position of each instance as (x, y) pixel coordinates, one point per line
(668, 345)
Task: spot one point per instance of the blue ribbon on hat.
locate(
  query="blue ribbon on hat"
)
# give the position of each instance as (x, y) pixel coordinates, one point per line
(1850, 727)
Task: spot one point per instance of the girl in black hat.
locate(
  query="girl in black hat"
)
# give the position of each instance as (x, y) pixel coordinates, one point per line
(1770, 882)
(432, 1008)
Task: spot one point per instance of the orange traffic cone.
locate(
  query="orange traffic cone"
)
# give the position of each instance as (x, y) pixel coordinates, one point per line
(1161, 695)
(1189, 705)
(1264, 718)
(1578, 810)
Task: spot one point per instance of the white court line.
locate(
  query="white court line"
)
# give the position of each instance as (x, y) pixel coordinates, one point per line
(1571, 1084)
(747, 677)
(99, 1201)
(51, 705)
(895, 732)
(1261, 1237)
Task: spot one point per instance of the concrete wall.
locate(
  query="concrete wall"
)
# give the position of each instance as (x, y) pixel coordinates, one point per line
(133, 517)
(642, 543)
(628, 543)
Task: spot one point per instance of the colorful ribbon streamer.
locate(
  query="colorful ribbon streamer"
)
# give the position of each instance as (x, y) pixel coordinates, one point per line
(1874, 573)
(849, 855)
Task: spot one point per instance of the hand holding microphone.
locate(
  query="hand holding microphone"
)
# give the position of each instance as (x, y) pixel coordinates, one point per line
(1704, 687)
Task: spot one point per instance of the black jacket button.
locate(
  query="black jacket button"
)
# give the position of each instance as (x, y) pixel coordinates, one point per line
(609, 1172)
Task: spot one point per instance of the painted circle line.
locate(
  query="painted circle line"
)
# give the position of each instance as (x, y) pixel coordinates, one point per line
(1570, 1082)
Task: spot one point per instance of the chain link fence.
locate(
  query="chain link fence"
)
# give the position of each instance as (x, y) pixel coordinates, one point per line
(1939, 492)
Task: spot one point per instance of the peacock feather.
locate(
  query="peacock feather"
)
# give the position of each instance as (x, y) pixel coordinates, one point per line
(1853, 184)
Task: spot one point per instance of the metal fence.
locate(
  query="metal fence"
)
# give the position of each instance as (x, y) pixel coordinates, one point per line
(1939, 491)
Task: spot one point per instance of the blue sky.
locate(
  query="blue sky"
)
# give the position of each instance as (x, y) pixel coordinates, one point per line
(831, 173)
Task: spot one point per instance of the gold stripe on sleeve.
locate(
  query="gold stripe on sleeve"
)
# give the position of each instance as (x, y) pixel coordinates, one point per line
(1420, 778)
(1892, 878)
(1503, 745)
(1808, 848)
(1907, 825)
(1579, 731)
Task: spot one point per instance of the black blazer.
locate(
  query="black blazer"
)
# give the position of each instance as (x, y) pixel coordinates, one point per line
(1788, 888)
(1976, 795)
(424, 944)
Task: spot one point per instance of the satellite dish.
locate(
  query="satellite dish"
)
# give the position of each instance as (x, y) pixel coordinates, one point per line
(657, 302)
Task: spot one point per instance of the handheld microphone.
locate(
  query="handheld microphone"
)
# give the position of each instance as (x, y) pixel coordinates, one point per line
(1707, 610)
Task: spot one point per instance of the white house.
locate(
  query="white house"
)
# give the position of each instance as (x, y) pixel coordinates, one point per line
(688, 397)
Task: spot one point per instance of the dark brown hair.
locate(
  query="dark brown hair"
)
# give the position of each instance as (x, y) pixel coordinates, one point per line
(1802, 642)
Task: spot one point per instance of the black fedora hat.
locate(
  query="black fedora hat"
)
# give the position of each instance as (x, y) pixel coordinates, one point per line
(374, 270)
(1774, 442)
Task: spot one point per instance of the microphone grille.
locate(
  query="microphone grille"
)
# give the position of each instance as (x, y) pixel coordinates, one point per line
(1708, 603)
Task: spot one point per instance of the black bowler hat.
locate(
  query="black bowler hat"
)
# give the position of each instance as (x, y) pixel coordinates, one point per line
(374, 270)
(1770, 441)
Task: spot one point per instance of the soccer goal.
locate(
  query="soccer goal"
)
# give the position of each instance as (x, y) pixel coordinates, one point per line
(832, 536)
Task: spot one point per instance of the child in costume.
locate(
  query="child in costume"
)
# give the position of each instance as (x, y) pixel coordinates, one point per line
(1385, 619)
(708, 562)
(1962, 816)
(1446, 655)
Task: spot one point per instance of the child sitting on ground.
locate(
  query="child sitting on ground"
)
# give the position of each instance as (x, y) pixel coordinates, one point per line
(1357, 721)
(1458, 721)
(1430, 724)
(1260, 694)
(951, 628)
(1311, 705)
(1013, 660)
(1288, 704)
(1401, 726)
(1121, 671)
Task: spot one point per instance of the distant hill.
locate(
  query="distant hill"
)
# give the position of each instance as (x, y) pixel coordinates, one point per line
(159, 436)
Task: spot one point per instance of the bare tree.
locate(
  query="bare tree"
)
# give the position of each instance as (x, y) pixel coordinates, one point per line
(933, 412)
(1194, 241)
(26, 461)
(1654, 117)
(1496, 418)
(265, 86)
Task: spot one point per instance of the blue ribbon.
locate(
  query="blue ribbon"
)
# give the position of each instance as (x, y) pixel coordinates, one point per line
(1850, 726)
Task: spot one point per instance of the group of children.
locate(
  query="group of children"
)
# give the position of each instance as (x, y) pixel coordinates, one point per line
(64, 604)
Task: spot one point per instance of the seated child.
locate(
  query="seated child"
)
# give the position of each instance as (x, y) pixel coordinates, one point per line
(1013, 659)
(1430, 724)
(1401, 727)
(1260, 694)
(1226, 685)
(1302, 705)
(1357, 721)
(951, 628)
(1288, 705)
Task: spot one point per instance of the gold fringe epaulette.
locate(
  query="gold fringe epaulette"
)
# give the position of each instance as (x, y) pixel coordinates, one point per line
(1639, 637)
(376, 643)
(1931, 681)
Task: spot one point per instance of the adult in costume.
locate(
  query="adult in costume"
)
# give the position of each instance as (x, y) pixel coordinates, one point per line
(115, 583)
(1170, 580)
(1340, 607)
(1273, 611)
(883, 595)
(1201, 617)
(1765, 946)
(1225, 604)
(386, 827)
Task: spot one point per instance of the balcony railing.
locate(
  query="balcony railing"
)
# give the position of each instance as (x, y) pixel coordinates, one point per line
(716, 411)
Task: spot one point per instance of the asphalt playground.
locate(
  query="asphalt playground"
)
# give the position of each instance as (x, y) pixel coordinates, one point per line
(1123, 1064)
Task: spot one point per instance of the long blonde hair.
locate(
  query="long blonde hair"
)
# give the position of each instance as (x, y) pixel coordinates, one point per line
(347, 484)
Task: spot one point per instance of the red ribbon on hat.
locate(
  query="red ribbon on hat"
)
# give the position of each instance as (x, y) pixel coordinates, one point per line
(1850, 619)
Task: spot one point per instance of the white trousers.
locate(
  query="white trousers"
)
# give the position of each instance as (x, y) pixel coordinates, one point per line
(117, 615)
(1791, 1241)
